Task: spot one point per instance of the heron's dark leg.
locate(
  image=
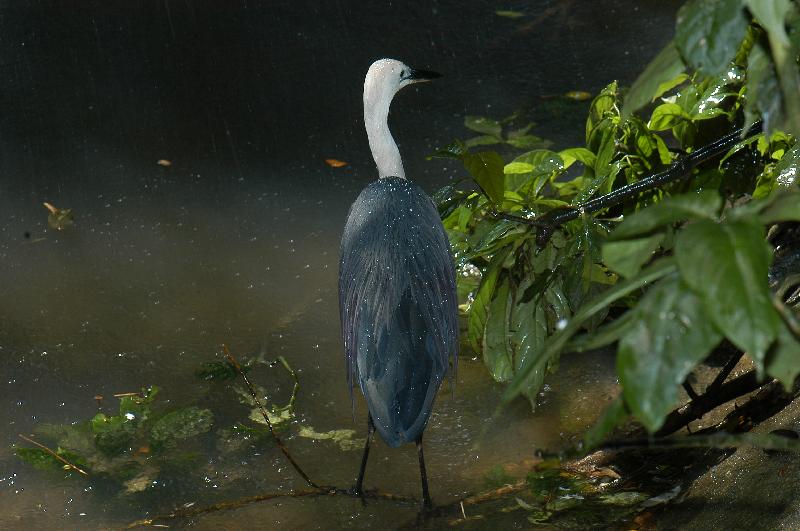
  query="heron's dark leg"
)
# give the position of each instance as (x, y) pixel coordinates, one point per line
(370, 431)
(426, 497)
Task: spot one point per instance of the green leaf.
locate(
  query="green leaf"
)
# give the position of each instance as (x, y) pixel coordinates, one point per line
(483, 140)
(486, 168)
(667, 116)
(627, 257)
(609, 333)
(498, 236)
(603, 105)
(708, 33)
(496, 353)
(219, 371)
(518, 167)
(670, 335)
(701, 205)
(727, 265)
(670, 84)
(181, 424)
(456, 150)
(606, 150)
(570, 155)
(479, 309)
(783, 359)
(787, 170)
(528, 325)
(664, 70)
(771, 15)
(784, 206)
(509, 14)
(481, 124)
(528, 142)
(764, 98)
(530, 376)
(612, 416)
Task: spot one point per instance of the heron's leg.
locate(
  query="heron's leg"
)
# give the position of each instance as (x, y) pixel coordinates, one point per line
(426, 497)
(370, 431)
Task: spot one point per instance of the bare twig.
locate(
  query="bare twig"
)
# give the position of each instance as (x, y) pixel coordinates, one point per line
(457, 505)
(51, 452)
(695, 409)
(263, 411)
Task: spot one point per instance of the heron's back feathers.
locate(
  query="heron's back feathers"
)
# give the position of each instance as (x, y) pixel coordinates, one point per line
(398, 305)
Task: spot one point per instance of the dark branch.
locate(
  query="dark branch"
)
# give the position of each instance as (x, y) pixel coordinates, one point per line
(550, 221)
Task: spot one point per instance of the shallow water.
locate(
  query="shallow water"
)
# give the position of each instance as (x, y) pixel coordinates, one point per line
(237, 241)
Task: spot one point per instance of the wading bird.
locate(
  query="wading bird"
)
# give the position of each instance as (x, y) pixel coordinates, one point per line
(397, 293)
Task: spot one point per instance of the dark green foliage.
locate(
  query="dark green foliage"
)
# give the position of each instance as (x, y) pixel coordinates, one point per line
(217, 371)
(679, 268)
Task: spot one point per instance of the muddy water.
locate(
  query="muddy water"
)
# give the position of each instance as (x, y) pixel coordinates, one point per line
(237, 241)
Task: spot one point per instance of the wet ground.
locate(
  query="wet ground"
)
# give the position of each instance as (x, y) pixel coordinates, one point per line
(236, 241)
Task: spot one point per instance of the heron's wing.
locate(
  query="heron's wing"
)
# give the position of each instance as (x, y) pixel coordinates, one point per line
(397, 298)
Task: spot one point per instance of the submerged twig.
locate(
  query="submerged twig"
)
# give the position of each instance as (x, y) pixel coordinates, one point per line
(54, 454)
(458, 505)
(263, 411)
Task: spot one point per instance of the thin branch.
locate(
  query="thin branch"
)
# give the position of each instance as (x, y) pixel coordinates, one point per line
(263, 411)
(51, 452)
(695, 409)
(494, 494)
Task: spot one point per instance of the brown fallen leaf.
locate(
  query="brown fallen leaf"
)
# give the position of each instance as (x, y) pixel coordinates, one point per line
(59, 218)
(578, 95)
(334, 163)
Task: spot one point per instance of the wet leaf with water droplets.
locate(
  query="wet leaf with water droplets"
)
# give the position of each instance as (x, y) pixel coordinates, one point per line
(727, 265)
(669, 336)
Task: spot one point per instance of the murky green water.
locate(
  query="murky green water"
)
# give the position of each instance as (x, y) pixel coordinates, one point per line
(237, 241)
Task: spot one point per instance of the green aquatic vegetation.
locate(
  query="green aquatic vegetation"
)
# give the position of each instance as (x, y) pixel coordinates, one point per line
(128, 447)
(667, 274)
(346, 439)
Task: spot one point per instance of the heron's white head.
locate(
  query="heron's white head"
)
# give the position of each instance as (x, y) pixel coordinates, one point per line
(384, 78)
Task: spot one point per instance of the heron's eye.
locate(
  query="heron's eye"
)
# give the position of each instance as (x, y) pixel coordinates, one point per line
(402, 74)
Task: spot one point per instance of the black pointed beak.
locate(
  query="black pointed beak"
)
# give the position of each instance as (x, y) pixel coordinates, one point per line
(415, 75)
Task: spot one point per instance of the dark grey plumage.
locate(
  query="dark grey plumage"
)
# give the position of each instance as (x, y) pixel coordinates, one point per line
(397, 299)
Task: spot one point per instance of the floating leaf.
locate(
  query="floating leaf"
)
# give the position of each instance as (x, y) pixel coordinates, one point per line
(578, 95)
(509, 14)
(481, 124)
(529, 142)
(59, 218)
(345, 439)
(483, 140)
(181, 424)
(335, 163)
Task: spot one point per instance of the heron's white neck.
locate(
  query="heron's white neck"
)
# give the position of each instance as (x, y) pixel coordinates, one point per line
(376, 120)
